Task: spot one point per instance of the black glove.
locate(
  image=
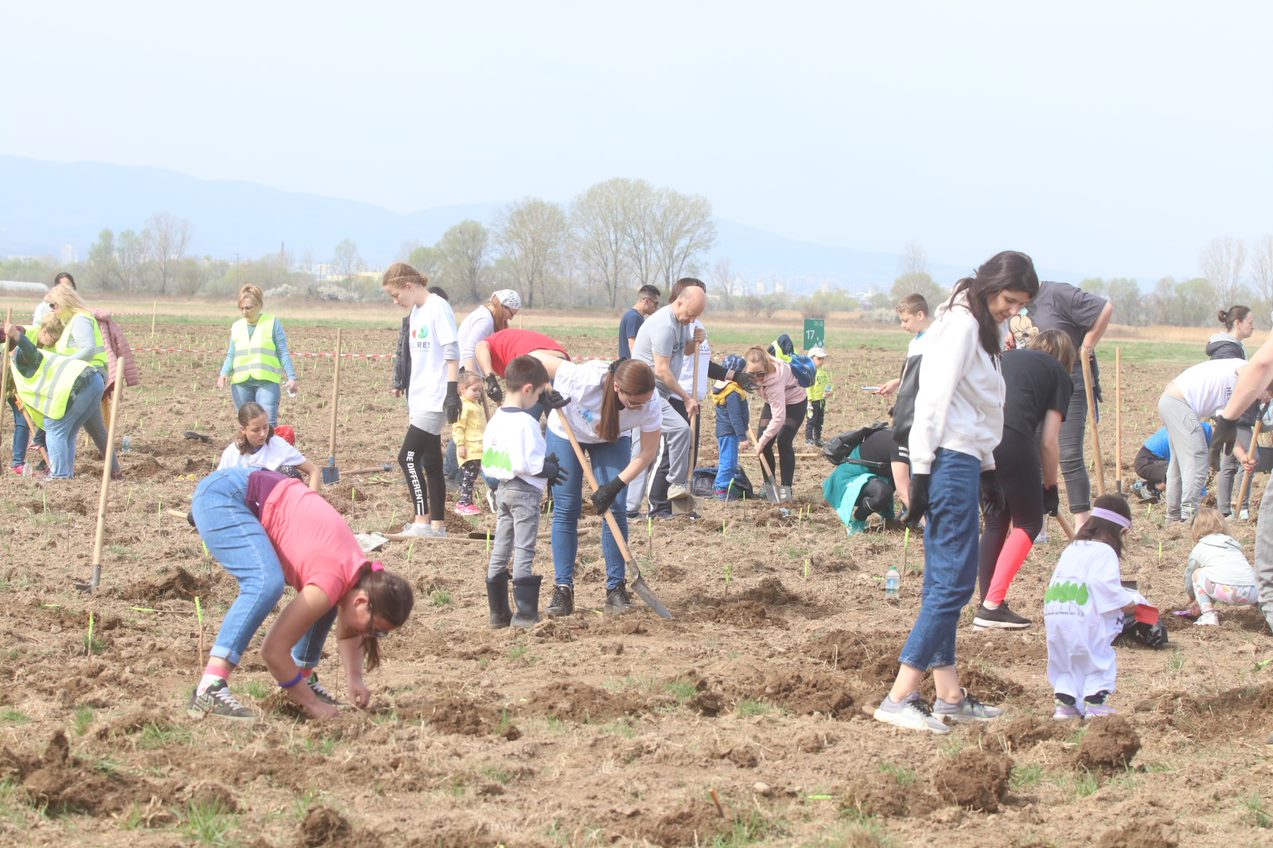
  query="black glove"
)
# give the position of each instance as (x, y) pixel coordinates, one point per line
(744, 381)
(493, 391)
(452, 406)
(552, 471)
(604, 497)
(1223, 437)
(992, 500)
(553, 399)
(918, 501)
(1051, 500)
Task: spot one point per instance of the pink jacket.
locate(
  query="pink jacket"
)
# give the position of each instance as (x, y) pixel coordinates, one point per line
(117, 349)
(778, 389)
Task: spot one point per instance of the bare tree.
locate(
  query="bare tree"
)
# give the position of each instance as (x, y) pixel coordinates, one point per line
(1262, 270)
(131, 253)
(169, 238)
(1221, 262)
(914, 260)
(598, 221)
(103, 266)
(725, 282)
(463, 259)
(639, 208)
(684, 230)
(346, 261)
(532, 234)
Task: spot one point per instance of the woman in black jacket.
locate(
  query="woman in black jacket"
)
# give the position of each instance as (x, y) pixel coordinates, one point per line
(1239, 324)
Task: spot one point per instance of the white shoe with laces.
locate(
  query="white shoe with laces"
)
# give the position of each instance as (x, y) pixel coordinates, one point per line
(911, 714)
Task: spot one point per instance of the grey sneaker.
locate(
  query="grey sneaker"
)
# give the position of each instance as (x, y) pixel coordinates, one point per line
(320, 691)
(677, 492)
(999, 618)
(216, 700)
(912, 714)
(969, 709)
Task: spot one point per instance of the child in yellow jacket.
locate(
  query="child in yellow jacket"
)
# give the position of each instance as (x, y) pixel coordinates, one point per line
(466, 432)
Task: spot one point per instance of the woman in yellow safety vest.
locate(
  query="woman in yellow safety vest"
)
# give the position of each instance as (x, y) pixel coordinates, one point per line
(61, 394)
(81, 339)
(258, 360)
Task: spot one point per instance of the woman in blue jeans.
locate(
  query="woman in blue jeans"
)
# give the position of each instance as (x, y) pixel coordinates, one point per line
(957, 425)
(607, 401)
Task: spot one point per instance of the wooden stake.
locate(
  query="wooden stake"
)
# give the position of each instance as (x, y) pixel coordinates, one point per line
(331, 437)
(1118, 420)
(689, 475)
(154, 309)
(108, 466)
(4, 369)
(1092, 423)
(1254, 453)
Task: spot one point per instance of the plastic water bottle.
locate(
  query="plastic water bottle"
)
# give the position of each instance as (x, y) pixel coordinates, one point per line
(127, 444)
(892, 581)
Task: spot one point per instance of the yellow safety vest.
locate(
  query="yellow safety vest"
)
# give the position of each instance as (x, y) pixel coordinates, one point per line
(255, 356)
(63, 346)
(47, 391)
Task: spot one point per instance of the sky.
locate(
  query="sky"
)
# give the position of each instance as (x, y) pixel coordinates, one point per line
(1115, 139)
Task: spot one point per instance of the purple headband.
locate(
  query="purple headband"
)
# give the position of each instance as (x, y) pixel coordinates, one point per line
(1112, 517)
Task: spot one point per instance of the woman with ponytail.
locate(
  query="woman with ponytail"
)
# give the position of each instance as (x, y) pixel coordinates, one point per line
(1239, 324)
(607, 402)
(270, 531)
(957, 424)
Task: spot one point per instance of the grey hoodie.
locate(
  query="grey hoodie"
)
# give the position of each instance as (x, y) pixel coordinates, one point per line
(1223, 559)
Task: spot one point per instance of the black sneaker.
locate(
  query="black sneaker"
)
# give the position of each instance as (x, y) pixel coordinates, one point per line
(321, 692)
(563, 602)
(217, 701)
(1001, 618)
(617, 600)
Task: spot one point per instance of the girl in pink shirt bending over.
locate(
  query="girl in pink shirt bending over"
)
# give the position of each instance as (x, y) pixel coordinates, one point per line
(785, 405)
(271, 531)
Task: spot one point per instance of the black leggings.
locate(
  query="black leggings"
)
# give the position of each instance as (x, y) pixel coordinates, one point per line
(785, 437)
(813, 430)
(1021, 478)
(422, 449)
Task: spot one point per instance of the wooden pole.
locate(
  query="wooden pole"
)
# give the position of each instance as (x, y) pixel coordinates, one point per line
(689, 475)
(331, 436)
(1118, 420)
(1091, 422)
(4, 369)
(154, 308)
(1254, 452)
(108, 466)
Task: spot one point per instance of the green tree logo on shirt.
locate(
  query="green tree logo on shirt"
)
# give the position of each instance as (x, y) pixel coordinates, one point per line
(1066, 592)
(497, 460)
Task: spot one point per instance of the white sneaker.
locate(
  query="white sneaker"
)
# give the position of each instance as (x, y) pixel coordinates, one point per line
(677, 492)
(911, 714)
(1208, 619)
(1244, 515)
(1042, 538)
(490, 501)
(423, 531)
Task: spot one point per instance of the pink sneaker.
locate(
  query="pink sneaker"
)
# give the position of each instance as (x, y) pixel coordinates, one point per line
(1091, 711)
(468, 509)
(18, 469)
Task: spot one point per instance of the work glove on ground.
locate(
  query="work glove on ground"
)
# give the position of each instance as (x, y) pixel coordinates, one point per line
(493, 390)
(918, 500)
(603, 497)
(992, 500)
(452, 405)
(1051, 500)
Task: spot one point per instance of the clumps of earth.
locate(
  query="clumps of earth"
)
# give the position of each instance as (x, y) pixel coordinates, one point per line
(1109, 745)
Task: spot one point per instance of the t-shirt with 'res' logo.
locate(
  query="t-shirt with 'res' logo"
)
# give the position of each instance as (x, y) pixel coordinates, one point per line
(431, 328)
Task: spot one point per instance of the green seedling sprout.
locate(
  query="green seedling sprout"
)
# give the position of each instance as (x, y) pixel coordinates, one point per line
(198, 611)
(806, 568)
(88, 643)
(143, 609)
(729, 575)
(410, 552)
(488, 540)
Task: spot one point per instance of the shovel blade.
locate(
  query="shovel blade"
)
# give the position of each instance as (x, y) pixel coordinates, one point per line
(331, 474)
(645, 592)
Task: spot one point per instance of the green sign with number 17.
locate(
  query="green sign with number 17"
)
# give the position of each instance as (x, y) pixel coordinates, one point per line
(815, 333)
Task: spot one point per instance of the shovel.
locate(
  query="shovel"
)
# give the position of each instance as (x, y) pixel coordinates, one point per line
(1245, 489)
(371, 469)
(331, 474)
(638, 582)
(773, 493)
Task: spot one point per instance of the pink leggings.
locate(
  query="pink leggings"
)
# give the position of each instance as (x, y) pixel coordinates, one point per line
(1207, 593)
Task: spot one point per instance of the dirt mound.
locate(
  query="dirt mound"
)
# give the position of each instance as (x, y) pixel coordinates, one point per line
(1137, 835)
(142, 467)
(975, 779)
(1021, 734)
(807, 692)
(1110, 743)
(462, 716)
(1236, 712)
(741, 613)
(877, 795)
(62, 784)
(175, 583)
(572, 701)
(693, 824)
(986, 685)
(871, 657)
(772, 593)
(324, 827)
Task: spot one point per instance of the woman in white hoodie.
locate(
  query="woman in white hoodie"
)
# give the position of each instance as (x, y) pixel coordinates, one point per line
(958, 423)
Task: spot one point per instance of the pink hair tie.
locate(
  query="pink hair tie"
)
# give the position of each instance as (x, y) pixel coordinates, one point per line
(377, 566)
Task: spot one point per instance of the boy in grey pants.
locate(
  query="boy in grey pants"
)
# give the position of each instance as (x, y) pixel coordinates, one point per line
(513, 452)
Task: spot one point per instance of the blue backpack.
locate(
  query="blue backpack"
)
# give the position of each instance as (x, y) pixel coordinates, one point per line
(804, 369)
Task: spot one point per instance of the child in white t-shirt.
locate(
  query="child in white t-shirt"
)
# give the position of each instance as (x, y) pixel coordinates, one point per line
(1218, 570)
(1083, 610)
(259, 447)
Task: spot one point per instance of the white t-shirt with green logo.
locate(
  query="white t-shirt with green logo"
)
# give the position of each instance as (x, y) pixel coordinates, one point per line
(432, 328)
(1082, 611)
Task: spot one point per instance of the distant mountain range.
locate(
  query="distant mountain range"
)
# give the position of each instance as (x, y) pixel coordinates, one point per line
(48, 205)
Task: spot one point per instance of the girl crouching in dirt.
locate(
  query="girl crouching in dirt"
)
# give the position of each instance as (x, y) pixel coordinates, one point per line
(270, 531)
(1083, 609)
(1218, 571)
(259, 446)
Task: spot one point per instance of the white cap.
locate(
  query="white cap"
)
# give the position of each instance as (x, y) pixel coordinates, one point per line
(819, 352)
(508, 297)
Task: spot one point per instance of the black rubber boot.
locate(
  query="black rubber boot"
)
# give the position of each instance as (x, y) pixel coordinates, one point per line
(563, 602)
(618, 601)
(526, 596)
(497, 599)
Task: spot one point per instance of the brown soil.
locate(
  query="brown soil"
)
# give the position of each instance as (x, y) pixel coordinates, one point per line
(571, 701)
(1138, 835)
(1110, 744)
(975, 779)
(61, 784)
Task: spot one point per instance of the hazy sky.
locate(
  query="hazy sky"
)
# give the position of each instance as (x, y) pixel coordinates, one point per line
(1106, 137)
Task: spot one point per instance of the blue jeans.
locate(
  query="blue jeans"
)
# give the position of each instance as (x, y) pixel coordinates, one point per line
(264, 392)
(728, 465)
(950, 559)
(236, 539)
(608, 459)
(84, 410)
(21, 436)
